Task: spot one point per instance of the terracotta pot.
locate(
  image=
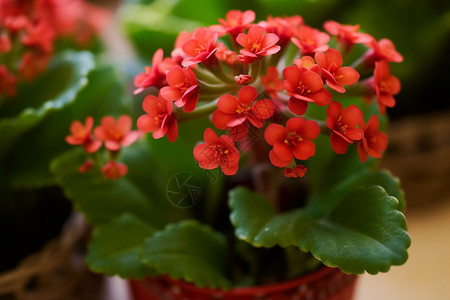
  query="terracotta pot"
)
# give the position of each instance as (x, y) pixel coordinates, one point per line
(324, 284)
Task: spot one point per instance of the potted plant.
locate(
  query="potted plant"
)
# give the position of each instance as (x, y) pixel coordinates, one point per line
(261, 165)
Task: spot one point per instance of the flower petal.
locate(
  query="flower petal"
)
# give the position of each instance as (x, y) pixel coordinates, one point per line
(297, 106)
(304, 150)
(274, 133)
(247, 94)
(228, 104)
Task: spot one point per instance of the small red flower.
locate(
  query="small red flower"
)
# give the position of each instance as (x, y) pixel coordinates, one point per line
(159, 118)
(284, 28)
(343, 124)
(293, 141)
(386, 85)
(307, 63)
(201, 47)
(374, 141)
(310, 40)
(335, 76)
(39, 37)
(257, 43)
(86, 166)
(243, 79)
(5, 43)
(272, 81)
(154, 75)
(227, 56)
(114, 170)
(116, 134)
(182, 89)
(304, 86)
(232, 112)
(235, 22)
(81, 135)
(347, 34)
(384, 49)
(217, 151)
(298, 171)
(8, 82)
(33, 64)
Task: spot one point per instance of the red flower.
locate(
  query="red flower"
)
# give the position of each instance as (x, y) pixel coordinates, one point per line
(293, 141)
(201, 47)
(154, 75)
(217, 151)
(284, 28)
(81, 135)
(235, 22)
(310, 40)
(272, 81)
(256, 43)
(33, 64)
(159, 118)
(347, 34)
(373, 142)
(5, 43)
(40, 37)
(116, 134)
(307, 63)
(304, 86)
(243, 79)
(232, 112)
(114, 170)
(86, 166)
(384, 49)
(227, 56)
(386, 85)
(298, 171)
(330, 62)
(7, 82)
(182, 89)
(343, 124)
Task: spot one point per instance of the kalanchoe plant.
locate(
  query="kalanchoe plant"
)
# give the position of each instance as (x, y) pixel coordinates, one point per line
(286, 114)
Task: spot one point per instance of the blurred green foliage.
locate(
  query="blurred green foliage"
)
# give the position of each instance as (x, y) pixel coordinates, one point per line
(419, 29)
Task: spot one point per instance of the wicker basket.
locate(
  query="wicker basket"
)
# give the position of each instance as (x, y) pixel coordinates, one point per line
(56, 272)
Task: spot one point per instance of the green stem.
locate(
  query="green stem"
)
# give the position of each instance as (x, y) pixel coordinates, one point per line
(201, 111)
(217, 70)
(206, 76)
(254, 69)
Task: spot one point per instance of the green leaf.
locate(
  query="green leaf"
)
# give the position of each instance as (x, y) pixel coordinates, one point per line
(189, 251)
(114, 249)
(101, 200)
(58, 87)
(363, 230)
(103, 95)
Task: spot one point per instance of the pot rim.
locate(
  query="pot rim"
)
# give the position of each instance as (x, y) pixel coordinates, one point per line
(272, 288)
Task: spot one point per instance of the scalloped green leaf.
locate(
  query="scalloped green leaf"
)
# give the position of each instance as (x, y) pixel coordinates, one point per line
(188, 250)
(103, 95)
(58, 87)
(101, 199)
(114, 249)
(364, 230)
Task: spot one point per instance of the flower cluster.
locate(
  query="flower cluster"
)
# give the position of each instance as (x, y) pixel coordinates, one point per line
(28, 30)
(242, 75)
(113, 134)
